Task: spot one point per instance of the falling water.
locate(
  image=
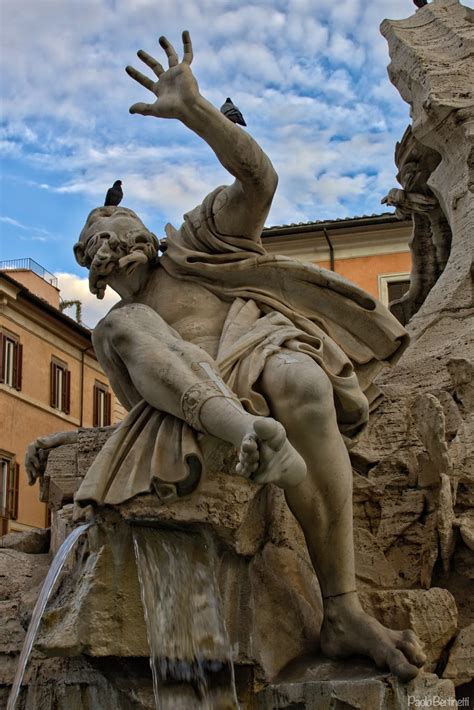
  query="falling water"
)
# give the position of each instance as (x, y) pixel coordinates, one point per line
(190, 654)
(45, 593)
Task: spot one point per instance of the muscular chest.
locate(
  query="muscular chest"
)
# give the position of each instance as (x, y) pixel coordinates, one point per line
(194, 312)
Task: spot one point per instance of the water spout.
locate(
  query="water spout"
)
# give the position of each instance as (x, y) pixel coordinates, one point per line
(43, 597)
(190, 653)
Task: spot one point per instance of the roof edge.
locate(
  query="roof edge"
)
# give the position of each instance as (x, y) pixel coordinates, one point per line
(365, 220)
(45, 306)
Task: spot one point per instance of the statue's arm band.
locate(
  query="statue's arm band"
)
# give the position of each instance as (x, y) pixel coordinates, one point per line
(196, 396)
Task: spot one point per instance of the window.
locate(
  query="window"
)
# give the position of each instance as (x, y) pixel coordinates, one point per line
(60, 386)
(392, 287)
(11, 357)
(397, 289)
(102, 402)
(9, 479)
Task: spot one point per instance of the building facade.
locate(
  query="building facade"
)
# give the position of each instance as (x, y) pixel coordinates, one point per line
(372, 252)
(50, 381)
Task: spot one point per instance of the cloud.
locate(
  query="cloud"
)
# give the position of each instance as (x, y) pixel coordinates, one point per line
(15, 223)
(309, 77)
(73, 287)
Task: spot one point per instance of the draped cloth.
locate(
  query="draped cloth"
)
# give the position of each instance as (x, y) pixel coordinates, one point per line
(278, 305)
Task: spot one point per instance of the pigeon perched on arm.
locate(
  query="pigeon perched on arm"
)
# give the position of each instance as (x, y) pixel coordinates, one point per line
(420, 3)
(114, 194)
(231, 112)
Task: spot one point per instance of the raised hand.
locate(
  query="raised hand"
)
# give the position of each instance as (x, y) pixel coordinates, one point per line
(176, 88)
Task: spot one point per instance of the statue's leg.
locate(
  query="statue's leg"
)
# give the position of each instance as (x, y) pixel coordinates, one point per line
(145, 358)
(301, 398)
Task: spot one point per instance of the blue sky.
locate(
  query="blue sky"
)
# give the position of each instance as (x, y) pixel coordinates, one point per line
(309, 76)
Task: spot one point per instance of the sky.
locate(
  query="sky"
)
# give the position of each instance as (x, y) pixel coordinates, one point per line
(309, 76)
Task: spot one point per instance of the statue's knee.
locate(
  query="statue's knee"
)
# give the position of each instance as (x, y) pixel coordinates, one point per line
(313, 391)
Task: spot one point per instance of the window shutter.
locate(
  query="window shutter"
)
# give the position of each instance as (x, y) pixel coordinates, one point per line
(19, 365)
(12, 490)
(3, 493)
(52, 387)
(15, 490)
(108, 409)
(95, 412)
(15, 365)
(66, 403)
(2, 357)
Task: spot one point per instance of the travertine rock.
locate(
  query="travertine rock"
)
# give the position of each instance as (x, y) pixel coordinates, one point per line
(431, 65)
(348, 685)
(12, 634)
(34, 542)
(20, 572)
(460, 666)
(98, 609)
(423, 432)
(430, 422)
(80, 683)
(431, 614)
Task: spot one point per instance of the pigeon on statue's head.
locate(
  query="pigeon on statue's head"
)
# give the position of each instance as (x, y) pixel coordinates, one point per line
(114, 194)
(231, 112)
(420, 3)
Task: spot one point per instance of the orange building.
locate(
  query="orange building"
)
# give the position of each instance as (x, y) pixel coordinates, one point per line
(370, 251)
(50, 381)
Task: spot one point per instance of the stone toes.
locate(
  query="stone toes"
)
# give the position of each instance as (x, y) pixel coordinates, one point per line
(412, 651)
(249, 445)
(399, 665)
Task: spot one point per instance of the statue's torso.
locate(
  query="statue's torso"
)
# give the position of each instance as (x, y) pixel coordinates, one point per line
(191, 309)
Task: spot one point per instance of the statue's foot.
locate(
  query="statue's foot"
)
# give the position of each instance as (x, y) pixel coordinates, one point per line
(347, 630)
(267, 456)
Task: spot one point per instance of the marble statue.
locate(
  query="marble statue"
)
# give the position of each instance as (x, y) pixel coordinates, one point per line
(430, 241)
(217, 338)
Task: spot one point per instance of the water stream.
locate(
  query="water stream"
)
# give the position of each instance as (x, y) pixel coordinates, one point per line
(45, 593)
(190, 653)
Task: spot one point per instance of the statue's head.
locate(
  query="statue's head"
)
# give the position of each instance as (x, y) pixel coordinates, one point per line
(113, 240)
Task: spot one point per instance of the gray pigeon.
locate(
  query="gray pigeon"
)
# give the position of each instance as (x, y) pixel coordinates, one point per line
(114, 194)
(420, 3)
(231, 112)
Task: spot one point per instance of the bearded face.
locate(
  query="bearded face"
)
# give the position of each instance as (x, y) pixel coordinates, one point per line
(114, 241)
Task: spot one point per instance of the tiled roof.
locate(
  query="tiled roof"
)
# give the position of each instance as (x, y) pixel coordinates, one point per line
(384, 216)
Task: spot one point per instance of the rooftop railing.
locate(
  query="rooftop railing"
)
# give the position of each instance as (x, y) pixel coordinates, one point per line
(29, 265)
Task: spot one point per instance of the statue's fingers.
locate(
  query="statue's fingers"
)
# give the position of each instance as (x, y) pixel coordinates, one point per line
(144, 109)
(151, 62)
(170, 51)
(187, 47)
(141, 78)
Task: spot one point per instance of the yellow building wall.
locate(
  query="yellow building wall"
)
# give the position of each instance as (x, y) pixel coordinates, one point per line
(37, 285)
(22, 423)
(27, 414)
(364, 271)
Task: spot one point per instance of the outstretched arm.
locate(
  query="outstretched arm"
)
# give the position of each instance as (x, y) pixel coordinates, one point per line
(242, 208)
